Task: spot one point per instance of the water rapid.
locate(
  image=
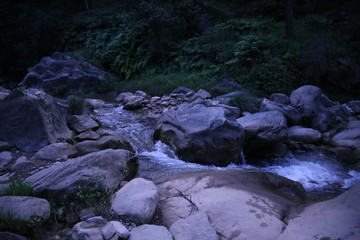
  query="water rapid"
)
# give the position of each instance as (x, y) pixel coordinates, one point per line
(315, 171)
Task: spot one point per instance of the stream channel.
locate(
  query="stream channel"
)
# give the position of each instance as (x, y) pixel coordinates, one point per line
(317, 172)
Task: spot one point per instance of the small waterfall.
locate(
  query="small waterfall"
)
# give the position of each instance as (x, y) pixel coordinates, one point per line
(315, 171)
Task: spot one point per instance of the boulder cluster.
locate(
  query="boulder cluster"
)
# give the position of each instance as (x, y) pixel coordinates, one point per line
(66, 161)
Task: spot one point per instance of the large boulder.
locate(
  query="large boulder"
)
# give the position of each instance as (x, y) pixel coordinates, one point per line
(55, 151)
(292, 115)
(24, 208)
(263, 131)
(136, 201)
(202, 134)
(82, 123)
(236, 205)
(316, 109)
(338, 218)
(302, 134)
(63, 74)
(30, 119)
(101, 170)
(349, 137)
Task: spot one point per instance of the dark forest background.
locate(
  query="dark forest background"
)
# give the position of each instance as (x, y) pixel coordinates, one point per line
(265, 46)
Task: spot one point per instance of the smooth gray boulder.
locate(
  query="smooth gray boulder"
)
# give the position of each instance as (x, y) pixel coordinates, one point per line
(196, 226)
(239, 205)
(150, 232)
(100, 170)
(292, 115)
(316, 109)
(302, 134)
(102, 143)
(136, 201)
(338, 218)
(24, 207)
(133, 102)
(82, 123)
(63, 74)
(349, 137)
(32, 119)
(96, 228)
(88, 135)
(55, 151)
(201, 94)
(202, 134)
(263, 131)
(281, 98)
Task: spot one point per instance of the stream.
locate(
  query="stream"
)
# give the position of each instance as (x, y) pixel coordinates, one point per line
(317, 172)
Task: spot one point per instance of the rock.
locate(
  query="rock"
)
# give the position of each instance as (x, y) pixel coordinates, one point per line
(305, 135)
(104, 142)
(350, 137)
(150, 232)
(61, 74)
(239, 205)
(98, 228)
(202, 134)
(316, 109)
(11, 236)
(292, 115)
(280, 98)
(55, 151)
(88, 135)
(354, 106)
(4, 93)
(101, 170)
(202, 94)
(120, 98)
(183, 90)
(21, 163)
(25, 207)
(82, 123)
(94, 103)
(136, 201)
(337, 218)
(263, 131)
(344, 154)
(4, 146)
(242, 99)
(196, 226)
(141, 94)
(5, 158)
(32, 120)
(133, 102)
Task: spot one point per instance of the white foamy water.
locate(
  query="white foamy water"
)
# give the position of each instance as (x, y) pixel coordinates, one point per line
(315, 171)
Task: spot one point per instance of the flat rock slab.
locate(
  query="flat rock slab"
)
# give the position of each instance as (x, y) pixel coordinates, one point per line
(239, 205)
(302, 134)
(136, 201)
(55, 151)
(24, 207)
(82, 123)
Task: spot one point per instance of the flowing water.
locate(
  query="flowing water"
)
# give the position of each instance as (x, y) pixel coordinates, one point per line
(315, 171)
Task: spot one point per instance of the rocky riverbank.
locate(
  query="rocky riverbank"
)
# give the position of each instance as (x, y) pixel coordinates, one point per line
(84, 185)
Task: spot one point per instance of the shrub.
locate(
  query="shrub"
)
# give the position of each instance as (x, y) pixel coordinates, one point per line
(19, 188)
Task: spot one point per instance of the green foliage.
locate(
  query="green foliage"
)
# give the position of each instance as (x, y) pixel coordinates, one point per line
(76, 104)
(13, 224)
(19, 188)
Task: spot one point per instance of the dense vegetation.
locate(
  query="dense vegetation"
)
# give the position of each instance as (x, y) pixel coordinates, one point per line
(157, 45)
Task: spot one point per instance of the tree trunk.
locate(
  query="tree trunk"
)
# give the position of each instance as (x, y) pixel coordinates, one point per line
(289, 18)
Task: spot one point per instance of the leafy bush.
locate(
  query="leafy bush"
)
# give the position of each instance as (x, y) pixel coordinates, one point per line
(10, 223)
(19, 188)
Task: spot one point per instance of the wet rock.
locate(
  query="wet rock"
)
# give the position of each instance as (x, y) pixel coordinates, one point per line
(280, 98)
(263, 131)
(136, 201)
(337, 218)
(196, 226)
(5, 158)
(202, 134)
(102, 143)
(344, 154)
(32, 120)
(98, 228)
(350, 137)
(133, 102)
(355, 106)
(292, 115)
(25, 207)
(94, 103)
(100, 170)
(61, 74)
(247, 204)
(55, 151)
(150, 232)
(82, 123)
(305, 135)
